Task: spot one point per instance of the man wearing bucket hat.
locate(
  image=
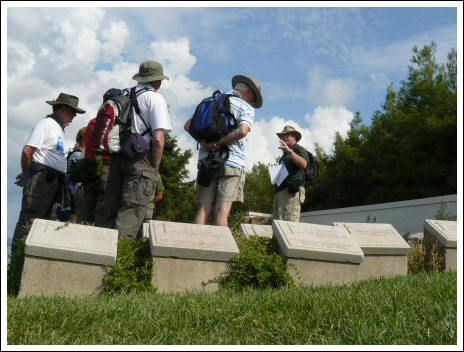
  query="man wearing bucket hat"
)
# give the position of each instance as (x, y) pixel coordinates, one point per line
(228, 183)
(290, 194)
(132, 180)
(44, 164)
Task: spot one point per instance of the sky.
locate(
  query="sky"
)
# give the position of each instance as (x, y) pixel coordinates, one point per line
(318, 65)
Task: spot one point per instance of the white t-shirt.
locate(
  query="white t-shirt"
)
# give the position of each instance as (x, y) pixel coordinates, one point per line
(154, 111)
(48, 137)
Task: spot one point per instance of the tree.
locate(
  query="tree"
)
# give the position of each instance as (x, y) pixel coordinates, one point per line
(180, 197)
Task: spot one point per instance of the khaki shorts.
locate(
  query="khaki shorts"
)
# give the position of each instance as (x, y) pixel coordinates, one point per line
(287, 206)
(227, 186)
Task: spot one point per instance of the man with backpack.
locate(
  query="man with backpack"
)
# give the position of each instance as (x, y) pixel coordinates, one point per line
(290, 194)
(44, 164)
(228, 181)
(132, 178)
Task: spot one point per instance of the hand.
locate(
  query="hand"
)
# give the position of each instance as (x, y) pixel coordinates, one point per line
(284, 147)
(21, 180)
(214, 146)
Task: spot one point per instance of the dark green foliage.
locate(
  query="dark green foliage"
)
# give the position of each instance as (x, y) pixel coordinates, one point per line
(259, 191)
(15, 268)
(408, 152)
(179, 203)
(133, 269)
(258, 266)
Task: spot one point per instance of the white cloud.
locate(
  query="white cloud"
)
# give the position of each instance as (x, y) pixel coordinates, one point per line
(325, 91)
(175, 56)
(325, 121)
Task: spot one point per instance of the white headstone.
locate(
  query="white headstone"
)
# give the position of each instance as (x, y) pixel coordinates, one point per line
(381, 239)
(191, 241)
(72, 242)
(444, 231)
(319, 242)
(257, 230)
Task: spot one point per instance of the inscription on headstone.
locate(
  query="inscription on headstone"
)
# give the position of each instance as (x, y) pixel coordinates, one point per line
(313, 241)
(376, 238)
(191, 241)
(257, 230)
(72, 242)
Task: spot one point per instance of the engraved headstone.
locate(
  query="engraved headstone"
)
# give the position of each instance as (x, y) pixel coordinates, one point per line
(186, 256)
(385, 250)
(66, 259)
(72, 242)
(376, 238)
(445, 233)
(257, 230)
(313, 241)
(191, 241)
(318, 254)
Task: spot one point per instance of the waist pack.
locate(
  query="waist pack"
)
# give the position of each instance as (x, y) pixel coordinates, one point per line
(208, 167)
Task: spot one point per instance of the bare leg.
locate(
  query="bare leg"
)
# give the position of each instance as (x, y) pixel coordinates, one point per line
(222, 213)
(203, 213)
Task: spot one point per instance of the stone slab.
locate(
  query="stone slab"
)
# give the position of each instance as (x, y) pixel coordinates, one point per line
(72, 242)
(444, 231)
(378, 239)
(191, 241)
(49, 277)
(316, 242)
(175, 275)
(257, 230)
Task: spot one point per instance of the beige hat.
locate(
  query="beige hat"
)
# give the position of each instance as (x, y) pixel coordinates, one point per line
(287, 130)
(254, 84)
(150, 71)
(67, 99)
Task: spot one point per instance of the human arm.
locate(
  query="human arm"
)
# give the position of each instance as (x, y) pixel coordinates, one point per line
(26, 162)
(157, 147)
(297, 159)
(240, 132)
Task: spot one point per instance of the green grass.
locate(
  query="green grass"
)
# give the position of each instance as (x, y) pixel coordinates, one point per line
(411, 310)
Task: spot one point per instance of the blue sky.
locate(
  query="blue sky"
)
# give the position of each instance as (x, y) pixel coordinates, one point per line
(317, 65)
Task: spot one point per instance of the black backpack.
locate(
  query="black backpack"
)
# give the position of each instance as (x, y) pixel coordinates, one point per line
(313, 168)
(212, 118)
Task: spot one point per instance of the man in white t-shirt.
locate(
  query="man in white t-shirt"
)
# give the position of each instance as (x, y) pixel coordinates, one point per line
(132, 180)
(44, 164)
(229, 181)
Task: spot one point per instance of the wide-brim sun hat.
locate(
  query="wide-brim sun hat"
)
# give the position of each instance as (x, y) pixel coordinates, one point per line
(287, 130)
(150, 71)
(254, 84)
(67, 99)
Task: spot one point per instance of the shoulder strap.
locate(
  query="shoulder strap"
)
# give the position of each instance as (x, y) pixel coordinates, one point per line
(133, 94)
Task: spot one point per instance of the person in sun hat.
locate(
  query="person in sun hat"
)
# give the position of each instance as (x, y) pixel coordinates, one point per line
(228, 183)
(290, 194)
(132, 180)
(44, 166)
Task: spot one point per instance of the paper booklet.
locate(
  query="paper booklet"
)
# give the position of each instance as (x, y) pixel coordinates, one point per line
(278, 173)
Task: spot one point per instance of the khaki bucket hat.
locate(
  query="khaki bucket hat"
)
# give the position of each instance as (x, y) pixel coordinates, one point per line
(287, 130)
(67, 99)
(150, 71)
(254, 84)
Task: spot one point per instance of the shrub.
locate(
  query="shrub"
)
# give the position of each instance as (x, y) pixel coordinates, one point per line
(258, 265)
(425, 256)
(133, 269)
(15, 268)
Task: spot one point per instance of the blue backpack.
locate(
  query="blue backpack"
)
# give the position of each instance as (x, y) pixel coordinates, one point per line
(212, 118)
